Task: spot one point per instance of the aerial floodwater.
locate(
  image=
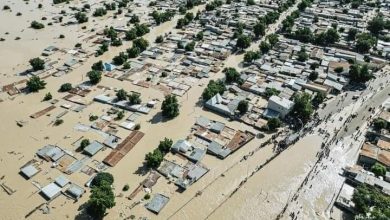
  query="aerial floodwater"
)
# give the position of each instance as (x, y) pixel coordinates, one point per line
(196, 109)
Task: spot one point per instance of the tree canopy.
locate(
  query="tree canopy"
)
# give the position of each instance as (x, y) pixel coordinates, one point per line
(359, 74)
(273, 124)
(154, 159)
(259, 29)
(135, 98)
(121, 95)
(364, 42)
(369, 200)
(243, 106)
(37, 64)
(376, 24)
(271, 92)
(102, 177)
(165, 145)
(303, 107)
(170, 107)
(213, 88)
(94, 76)
(251, 56)
(231, 75)
(66, 87)
(102, 198)
(34, 84)
(243, 41)
(378, 169)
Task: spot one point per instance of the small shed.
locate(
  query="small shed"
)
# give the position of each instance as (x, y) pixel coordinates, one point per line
(61, 181)
(93, 148)
(217, 127)
(29, 171)
(157, 203)
(75, 191)
(112, 141)
(51, 191)
(50, 152)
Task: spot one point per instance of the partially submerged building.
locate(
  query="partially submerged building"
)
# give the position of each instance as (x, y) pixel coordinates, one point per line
(157, 203)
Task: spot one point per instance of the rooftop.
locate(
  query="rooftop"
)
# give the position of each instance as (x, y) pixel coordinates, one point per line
(157, 203)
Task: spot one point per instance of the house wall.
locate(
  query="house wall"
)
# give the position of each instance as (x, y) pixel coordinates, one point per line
(276, 107)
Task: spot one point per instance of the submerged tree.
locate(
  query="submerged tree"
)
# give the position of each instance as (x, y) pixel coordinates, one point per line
(37, 64)
(34, 84)
(170, 107)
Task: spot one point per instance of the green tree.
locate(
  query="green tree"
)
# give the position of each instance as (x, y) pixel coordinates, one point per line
(243, 106)
(190, 46)
(81, 17)
(133, 52)
(94, 76)
(314, 66)
(130, 34)
(134, 19)
(102, 198)
(135, 98)
(264, 47)
(378, 169)
(259, 29)
(339, 69)
(121, 95)
(101, 178)
(66, 87)
(273, 124)
(359, 74)
(250, 56)
(98, 66)
(99, 12)
(376, 25)
(243, 41)
(370, 201)
(273, 39)
(305, 35)
(231, 75)
(120, 59)
(213, 88)
(250, 2)
(313, 76)
(154, 159)
(37, 64)
(165, 145)
(364, 42)
(352, 32)
(141, 43)
(37, 25)
(84, 143)
(34, 84)
(126, 65)
(159, 39)
(199, 35)
(170, 107)
(318, 99)
(271, 92)
(303, 107)
(379, 124)
(120, 115)
(47, 97)
(303, 5)
(302, 55)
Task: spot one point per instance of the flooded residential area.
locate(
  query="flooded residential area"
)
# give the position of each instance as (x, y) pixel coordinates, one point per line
(195, 109)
